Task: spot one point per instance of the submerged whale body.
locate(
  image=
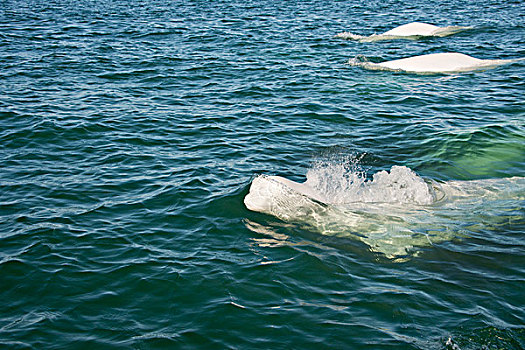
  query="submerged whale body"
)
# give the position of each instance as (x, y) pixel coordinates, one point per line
(395, 213)
(448, 62)
(412, 30)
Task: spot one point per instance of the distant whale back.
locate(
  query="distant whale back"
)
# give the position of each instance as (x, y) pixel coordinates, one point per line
(414, 28)
(412, 31)
(448, 62)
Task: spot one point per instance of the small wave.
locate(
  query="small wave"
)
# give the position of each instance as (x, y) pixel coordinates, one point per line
(350, 36)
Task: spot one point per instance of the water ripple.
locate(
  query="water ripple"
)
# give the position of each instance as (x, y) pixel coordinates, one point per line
(130, 134)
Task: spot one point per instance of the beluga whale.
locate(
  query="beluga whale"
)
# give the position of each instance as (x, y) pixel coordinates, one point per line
(411, 31)
(447, 62)
(395, 213)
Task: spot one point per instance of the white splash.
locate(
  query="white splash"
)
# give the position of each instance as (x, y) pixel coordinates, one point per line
(413, 31)
(401, 185)
(394, 213)
(448, 62)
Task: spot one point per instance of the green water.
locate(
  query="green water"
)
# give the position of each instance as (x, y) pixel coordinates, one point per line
(131, 132)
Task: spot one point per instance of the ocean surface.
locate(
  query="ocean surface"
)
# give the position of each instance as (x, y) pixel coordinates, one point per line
(131, 133)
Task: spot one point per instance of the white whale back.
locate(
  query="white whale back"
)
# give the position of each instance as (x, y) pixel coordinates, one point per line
(414, 28)
(438, 62)
(447, 62)
(410, 31)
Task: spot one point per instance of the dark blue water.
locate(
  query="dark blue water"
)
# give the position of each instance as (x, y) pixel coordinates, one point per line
(130, 133)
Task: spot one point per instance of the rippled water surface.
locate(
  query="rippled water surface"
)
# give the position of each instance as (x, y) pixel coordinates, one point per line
(131, 132)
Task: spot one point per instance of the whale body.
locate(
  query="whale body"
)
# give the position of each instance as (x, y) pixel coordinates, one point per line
(396, 213)
(448, 62)
(412, 31)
